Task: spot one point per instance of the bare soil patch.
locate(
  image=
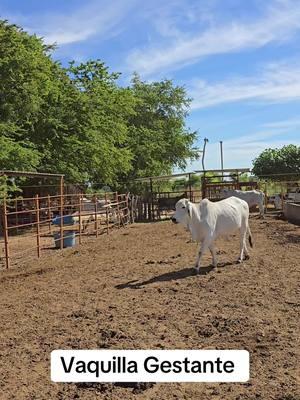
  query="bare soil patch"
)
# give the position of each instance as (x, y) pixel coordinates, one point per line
(136, 289)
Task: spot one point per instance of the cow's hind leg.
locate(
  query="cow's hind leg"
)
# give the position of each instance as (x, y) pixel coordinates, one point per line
(243, 232)
(213, 254)
(246, 248)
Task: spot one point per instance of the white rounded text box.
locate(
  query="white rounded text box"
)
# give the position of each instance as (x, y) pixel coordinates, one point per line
(150, 366)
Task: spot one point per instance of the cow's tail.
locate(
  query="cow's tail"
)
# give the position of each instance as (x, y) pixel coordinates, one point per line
(250, 237)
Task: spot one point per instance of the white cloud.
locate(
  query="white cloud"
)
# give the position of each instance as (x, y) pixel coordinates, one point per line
(102, 18)
(167, 17)
(277, 83)
(280, 22)
(287, 123)
(239, 152)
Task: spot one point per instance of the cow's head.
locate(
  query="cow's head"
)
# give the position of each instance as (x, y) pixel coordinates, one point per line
(182, 212)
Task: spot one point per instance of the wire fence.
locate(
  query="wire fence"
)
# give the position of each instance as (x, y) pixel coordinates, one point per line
(31, 226)
(154, 205)
(35, 225)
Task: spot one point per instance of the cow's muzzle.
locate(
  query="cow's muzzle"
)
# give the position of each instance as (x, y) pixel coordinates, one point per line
(173, 219)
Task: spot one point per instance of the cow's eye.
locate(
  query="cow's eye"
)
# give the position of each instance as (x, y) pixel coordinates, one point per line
(183, 206)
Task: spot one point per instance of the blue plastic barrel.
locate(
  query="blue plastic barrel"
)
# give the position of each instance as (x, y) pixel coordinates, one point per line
(69, 239)
(67, 220)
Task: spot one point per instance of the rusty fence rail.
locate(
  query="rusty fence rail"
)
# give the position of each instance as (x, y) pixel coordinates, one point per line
(277, 192)
(32, 225)
(154, 206)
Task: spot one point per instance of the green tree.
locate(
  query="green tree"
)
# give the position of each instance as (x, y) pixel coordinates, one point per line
(107, 109)
(158, 137)
(179, 184)
(80, 122)
(185, 183)
(37, 113)
(71, 121)
(24, 68)
(213, 177)
(284, 162)
(195, 181)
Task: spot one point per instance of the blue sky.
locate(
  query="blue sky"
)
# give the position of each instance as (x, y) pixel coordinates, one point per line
(239, 60)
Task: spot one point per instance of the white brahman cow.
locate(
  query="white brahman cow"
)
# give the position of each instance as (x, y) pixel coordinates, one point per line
(89, 214)
(207, 221)
(252, 197)
(276, 200)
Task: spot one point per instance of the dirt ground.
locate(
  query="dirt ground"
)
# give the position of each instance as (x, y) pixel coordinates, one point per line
(136, 289)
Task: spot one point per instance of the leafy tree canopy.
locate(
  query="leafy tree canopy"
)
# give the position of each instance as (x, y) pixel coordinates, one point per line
(158, 137)
(80, 122)
(284, 162)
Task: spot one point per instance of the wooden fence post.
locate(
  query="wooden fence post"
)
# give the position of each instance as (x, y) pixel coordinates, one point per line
(17, 218)
(151, 206)
(49, 213)
(123, 206)
(134, 208)
(203, 187)
(37, 210)
(127, 209)
(5, 227)
(140, 209)
(146, 208)
(118, 209)
(266, 198)
(80, 222)
(106, 212)
(61, 213)
(96, 215)
(190, 188)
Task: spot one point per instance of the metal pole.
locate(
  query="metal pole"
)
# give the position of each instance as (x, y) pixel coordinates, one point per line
(118, 208)
(96, 215)
(80, 222)
(203, 153)
(151, 205)
(49, 212)
(37, 208)
(266, 198)
(127, 209)
(203, 186)
(107, 216)
(122, 219)
(190, 187)
(5, 227)
(222, 165)
(17, 219)
(61, 212)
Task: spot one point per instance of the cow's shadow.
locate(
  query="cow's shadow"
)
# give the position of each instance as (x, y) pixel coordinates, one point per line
(169, 276)
(173, 276)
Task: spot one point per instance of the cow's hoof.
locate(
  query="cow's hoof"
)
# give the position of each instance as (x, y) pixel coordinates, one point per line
(247, 257)
(239, 260)
(197, 270)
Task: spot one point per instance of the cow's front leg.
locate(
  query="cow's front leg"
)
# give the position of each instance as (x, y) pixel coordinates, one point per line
(204, 246)
(261, 210)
